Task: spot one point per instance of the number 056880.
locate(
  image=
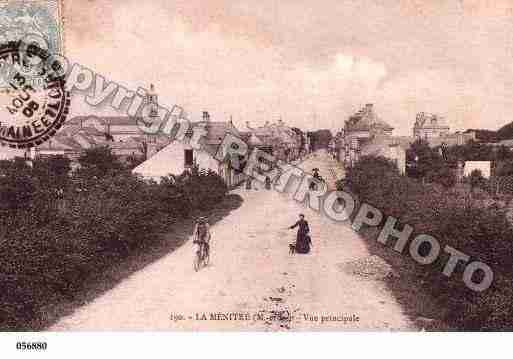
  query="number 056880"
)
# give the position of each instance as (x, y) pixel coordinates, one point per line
(31, 345)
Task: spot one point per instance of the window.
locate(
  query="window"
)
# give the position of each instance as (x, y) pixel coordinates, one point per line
(189, 158)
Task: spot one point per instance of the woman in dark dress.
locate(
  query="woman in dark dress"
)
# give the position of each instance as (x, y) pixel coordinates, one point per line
(303, 240)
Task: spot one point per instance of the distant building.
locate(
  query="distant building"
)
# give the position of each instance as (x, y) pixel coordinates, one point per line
(434, 129)
(366, 123)
(428, 125)
(117, 127)
(320, 139)
(277, 139)
(452, 139)
(365, 133)
(121, 133)
(7, 153)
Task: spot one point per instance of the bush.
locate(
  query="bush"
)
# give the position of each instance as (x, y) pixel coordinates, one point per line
(443, 175)
(485, 234)
(48, 252)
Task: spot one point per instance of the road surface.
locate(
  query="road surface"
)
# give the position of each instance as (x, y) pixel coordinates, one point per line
(252, 274)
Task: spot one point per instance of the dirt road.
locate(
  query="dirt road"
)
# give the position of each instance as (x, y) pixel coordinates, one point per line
(252, 273)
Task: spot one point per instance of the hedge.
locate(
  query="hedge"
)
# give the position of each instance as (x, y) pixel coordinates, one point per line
(483, 233)
(48, 249)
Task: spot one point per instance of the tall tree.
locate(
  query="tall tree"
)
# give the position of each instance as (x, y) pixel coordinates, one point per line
(99, 162)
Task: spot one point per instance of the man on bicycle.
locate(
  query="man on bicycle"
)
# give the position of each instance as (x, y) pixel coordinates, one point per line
(201, 235)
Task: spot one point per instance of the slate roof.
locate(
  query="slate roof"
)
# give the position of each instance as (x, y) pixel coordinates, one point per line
(216, 131)
(365, 120)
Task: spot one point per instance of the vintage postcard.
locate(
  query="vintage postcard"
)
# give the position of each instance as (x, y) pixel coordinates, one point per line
(269, 166)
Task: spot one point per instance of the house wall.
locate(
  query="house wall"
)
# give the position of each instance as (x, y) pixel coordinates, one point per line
(204, 160)
(398, 155)
(50, 152)
(358, 134)
(426, 133)
(7, 153)
(483, 166)
(171, 160)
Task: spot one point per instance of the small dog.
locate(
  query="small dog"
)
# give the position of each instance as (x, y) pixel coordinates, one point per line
(292, 249)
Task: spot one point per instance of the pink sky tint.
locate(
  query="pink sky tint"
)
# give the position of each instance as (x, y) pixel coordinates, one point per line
(258, 60)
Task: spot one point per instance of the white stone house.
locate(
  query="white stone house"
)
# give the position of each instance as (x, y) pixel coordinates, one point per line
(180, 156)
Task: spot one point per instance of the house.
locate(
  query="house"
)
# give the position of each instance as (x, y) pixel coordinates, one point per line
(115, 127)
(320, 139)
(361, 130)
(282, 141)
(366, 123)
(7, 153)
(263, 138)
(180, 156)
(338, 146)
(434, 129)
(452, 139)
(121, 134)
(428, 125)
(485, 167)
(74, 138)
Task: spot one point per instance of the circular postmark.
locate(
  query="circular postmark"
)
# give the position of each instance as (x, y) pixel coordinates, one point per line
(35, 103)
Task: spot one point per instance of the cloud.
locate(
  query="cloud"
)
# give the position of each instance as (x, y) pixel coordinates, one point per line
(259, 60)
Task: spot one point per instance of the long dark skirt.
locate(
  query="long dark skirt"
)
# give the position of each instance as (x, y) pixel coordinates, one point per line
(303, 244)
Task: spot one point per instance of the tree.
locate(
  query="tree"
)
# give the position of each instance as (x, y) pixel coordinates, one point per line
(504, 169)
(476, 180)
(17, 191)
(443, 175)
(380, 167)
(423, 159)
(99, 162)
(17, 165)
(52, 171)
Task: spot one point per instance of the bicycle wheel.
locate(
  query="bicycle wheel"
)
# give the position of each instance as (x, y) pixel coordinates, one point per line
(206, 257)
(196, 262)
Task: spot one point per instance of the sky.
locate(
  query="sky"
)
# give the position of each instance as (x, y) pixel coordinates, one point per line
(313, 63)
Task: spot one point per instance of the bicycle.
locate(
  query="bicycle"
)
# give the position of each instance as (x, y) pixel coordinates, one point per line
(202, 256)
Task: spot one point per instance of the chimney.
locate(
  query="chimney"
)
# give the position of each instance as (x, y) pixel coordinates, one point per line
(206, 116)
(368, 107)
(266, 124)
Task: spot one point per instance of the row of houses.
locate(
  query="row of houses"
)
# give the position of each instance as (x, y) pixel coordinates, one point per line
(160, 155)
(121, 134)
(277, 139)
(365, 133)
